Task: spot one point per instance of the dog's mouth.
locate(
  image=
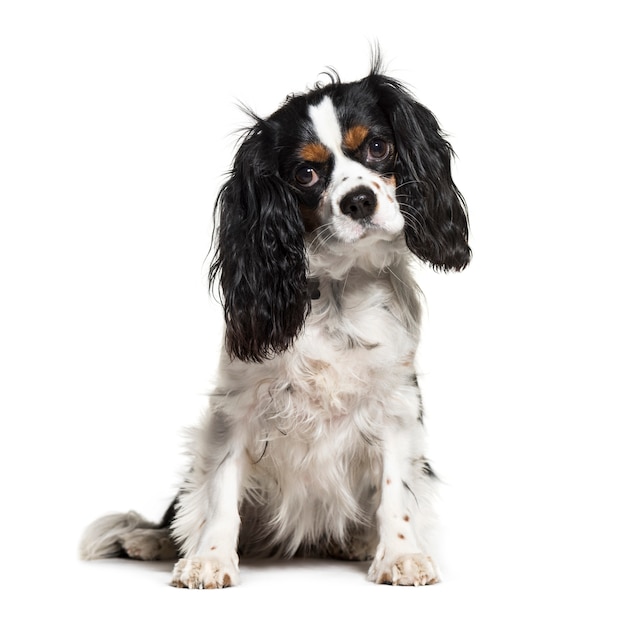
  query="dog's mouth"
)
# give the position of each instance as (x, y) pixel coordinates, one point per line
(366, 230)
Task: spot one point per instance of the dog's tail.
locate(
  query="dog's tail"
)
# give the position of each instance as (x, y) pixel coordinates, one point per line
(129, 535)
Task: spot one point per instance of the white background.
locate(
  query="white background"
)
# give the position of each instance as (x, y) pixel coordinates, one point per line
(117, 123)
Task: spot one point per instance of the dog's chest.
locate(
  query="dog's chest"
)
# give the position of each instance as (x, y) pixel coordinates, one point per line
(353, 353)
(313, 415)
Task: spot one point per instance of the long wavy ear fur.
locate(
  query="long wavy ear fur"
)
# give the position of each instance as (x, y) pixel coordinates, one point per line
(260, 257)
(434, 209)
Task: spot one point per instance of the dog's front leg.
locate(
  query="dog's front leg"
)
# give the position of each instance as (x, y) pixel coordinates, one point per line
(403, 514)
(208, 520)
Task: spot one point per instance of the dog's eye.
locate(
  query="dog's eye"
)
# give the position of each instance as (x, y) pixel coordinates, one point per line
(378, 150)
(306, 176)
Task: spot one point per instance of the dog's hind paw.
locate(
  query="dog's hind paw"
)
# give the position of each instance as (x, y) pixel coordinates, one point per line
(148, 544)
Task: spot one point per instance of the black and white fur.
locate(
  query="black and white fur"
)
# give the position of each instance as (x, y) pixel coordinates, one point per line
(313, 442)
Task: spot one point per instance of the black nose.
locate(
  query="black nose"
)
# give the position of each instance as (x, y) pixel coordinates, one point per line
(359, 203)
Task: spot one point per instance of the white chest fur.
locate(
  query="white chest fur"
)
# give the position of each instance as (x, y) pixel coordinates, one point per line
(313, 418)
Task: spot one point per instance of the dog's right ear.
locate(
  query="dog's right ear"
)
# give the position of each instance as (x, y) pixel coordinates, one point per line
(260, 257)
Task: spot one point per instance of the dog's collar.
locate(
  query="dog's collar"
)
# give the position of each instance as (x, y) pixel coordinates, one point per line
(313, 288)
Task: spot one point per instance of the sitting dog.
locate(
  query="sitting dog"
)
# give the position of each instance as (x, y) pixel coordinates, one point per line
(313, 442)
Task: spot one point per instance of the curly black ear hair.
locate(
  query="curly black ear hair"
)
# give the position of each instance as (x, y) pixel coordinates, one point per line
(434, 210)
(260, 257)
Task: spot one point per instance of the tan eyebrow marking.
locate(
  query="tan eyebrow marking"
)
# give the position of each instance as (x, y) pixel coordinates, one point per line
(315, 153)
(354, 137)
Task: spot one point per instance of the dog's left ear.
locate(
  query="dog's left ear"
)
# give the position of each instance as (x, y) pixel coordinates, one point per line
(434, 209)
(260, 256)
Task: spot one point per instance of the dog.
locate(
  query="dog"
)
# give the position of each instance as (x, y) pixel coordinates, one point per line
(313, 441)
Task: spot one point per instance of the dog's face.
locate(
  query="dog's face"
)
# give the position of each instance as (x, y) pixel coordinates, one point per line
(343, 168)
(347, 164)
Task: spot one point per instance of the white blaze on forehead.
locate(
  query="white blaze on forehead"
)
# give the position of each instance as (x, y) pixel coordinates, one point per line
(330, 134)
(326, 125)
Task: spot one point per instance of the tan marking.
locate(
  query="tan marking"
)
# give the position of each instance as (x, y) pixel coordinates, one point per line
(354, 137)
(406, 518)
(388, 481)
(408, 358)
(227, 581)
(315, 153)
(400, 536)
(311, 218)
(317, 365)
(213, 547)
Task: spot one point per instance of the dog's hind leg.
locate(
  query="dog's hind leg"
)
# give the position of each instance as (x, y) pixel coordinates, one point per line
(129, 535)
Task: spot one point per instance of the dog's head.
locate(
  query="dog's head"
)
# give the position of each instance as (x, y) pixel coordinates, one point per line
(350, 164)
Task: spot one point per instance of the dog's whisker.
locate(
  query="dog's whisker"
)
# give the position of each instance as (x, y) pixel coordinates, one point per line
(407, 182)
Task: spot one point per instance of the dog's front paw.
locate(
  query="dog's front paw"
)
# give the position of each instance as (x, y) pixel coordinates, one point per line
(409, 569)
(206, 573)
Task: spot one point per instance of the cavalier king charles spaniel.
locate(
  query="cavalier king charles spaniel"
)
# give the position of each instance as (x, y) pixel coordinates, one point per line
(313, 442)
